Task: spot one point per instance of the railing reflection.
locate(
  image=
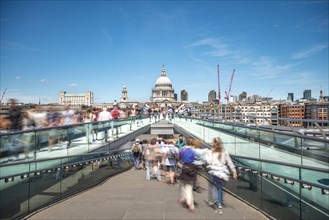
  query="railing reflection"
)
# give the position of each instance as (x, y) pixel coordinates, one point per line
(62, 141)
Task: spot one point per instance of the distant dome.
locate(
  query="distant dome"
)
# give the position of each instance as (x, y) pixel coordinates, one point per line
(163, 90)
(163, 81)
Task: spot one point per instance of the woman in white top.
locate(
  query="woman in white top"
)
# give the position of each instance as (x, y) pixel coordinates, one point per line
(218, 159)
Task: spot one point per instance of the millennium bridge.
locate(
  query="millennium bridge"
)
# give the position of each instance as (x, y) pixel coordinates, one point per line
(282, 174)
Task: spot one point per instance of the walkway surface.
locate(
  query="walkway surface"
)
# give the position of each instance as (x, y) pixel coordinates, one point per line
(130, 196)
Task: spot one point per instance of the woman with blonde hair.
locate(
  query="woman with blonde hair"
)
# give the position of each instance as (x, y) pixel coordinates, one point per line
(218, 159)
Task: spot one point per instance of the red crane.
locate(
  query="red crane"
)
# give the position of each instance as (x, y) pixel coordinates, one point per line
(219, 97)
(229, 90)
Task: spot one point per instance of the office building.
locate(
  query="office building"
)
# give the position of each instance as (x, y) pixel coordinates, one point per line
(183, 95)
(212, 96)
(307, 94)
(290, 96)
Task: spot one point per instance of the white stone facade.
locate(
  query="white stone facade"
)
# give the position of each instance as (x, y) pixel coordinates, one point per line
(86, 98)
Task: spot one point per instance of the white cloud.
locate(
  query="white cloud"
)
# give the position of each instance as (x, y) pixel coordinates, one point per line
(196, 59)
(73, 84)
(309, 52)
(227, 52)
(18, 77)
(43, 80)
(218, 49)
(267, 68)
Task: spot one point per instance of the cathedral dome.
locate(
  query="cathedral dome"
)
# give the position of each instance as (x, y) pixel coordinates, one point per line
(163, 80)
(163, 90)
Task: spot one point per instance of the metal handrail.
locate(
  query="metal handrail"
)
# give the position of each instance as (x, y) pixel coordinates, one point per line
(58, 158)
(284, 164)
(266, 130)
(284, 177)
(62, 165)
(268, 161)
(130, 119)
(269, 117)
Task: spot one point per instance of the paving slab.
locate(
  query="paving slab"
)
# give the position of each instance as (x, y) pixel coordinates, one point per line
(129, 196)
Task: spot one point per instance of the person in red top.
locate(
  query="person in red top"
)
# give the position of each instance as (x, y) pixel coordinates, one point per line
(115, 113)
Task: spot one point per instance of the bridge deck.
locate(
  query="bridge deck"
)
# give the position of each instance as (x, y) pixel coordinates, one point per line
(129, 196)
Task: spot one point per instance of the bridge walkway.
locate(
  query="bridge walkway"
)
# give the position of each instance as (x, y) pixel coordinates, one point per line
(129, 196)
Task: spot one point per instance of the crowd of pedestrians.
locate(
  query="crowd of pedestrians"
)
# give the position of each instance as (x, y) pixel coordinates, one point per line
(28, 118)
(178, 162)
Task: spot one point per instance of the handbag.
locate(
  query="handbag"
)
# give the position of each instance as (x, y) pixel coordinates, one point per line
(179, 170)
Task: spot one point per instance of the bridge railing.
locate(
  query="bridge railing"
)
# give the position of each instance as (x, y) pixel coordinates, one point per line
(43, 182)
(260, 142)
(285, 181)
(50, 142)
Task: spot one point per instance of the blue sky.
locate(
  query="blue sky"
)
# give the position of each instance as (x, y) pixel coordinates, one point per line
(275, 47)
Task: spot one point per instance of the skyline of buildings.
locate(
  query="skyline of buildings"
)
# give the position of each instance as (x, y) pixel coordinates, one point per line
(163, 91)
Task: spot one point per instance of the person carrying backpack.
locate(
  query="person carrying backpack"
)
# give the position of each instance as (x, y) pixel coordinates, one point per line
(169, 160)
(187, 176)
(136, 149)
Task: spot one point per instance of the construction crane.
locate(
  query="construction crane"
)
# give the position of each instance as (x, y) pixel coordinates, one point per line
(3, 94)
(268, 94)
(227, 94)
(219, 96)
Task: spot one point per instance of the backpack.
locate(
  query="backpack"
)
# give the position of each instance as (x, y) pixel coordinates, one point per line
(171, 153)
(135, 149)
(187, 155)
(157, 153)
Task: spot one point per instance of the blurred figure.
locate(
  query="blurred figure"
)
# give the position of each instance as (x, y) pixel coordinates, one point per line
(5, 125)
(54, 120)
(89, 127)
(199, 161)
(180, 143)
(105, 116)
(68, 115)
(27, 124)
(155, 159)
(39, 118)
(136, 149)
(188, 175)
(14, 115)
(115, 116)
(218, 159)
(145, 144)
(95, 125)
(115, 113)
(68, 119)
(148, 157)
(170, 154)
(122, 114)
